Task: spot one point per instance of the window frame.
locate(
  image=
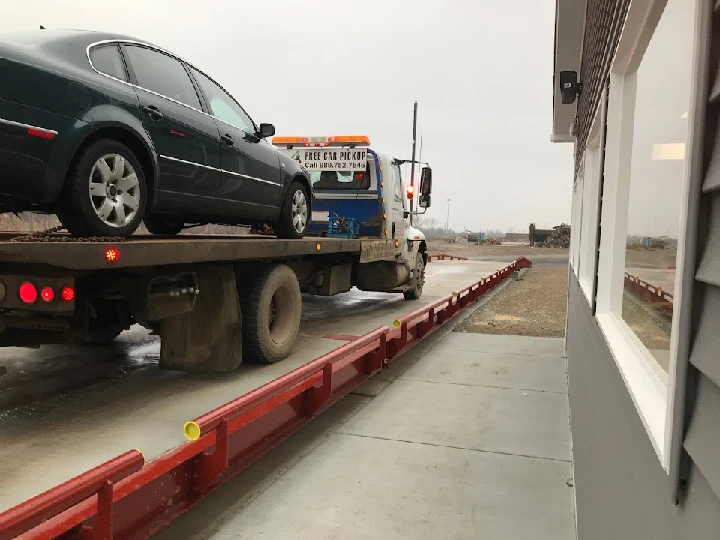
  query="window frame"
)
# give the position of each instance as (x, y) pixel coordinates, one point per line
(124, 47)
(652, 396)
(116, 46)
(191, 71)
(121, 43)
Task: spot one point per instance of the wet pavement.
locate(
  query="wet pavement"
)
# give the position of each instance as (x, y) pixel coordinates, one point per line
(84, 405)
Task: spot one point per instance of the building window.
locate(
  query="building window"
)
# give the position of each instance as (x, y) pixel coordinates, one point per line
(592, 171)
(644, 182)
(575, 220)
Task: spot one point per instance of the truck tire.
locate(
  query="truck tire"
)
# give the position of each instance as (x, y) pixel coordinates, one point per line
(163, 226)
(105, 192)
(107, 325)
(418, 279)
(103, 336)
(294, 213)
(271, 305)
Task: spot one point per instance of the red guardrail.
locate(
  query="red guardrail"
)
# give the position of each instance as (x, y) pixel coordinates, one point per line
(444, 256)
(124, 499)
(651, 293)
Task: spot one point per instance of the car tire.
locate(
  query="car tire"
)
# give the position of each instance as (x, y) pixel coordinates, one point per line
(271, 307)
(419, 271)
(294, 213)
(163, 226)
(106, 192)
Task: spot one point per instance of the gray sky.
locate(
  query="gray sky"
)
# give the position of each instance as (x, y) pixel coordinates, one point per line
(482, 78)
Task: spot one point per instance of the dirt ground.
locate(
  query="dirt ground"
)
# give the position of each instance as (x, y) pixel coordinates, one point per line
(533, 305)
(471, 251)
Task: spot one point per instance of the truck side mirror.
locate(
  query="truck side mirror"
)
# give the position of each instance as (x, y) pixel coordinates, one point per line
(424, 201)
(426, 181)
(266, 130)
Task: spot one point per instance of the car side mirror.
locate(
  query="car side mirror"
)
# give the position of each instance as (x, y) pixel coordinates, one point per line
(266, 130)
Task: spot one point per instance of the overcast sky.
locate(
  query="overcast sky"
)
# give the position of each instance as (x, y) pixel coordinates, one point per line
(482, 78)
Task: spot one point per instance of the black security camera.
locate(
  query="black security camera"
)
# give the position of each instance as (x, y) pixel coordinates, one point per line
(569, 86)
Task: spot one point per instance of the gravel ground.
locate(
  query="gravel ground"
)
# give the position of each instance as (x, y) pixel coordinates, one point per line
(471, 251)
(533, 305)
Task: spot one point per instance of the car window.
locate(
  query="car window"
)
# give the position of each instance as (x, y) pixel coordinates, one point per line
(162, 74)
(398, 183)
(341, 180)
(222, 106)
(106, 59)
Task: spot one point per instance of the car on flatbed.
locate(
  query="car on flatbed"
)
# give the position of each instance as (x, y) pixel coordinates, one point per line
(107, 131)
(218, 300)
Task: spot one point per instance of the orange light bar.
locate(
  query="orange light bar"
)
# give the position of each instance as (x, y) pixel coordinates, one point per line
(350, 139)
(289, 140)
(363, 140)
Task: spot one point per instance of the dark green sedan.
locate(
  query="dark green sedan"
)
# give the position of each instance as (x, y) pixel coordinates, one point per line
(108, 131)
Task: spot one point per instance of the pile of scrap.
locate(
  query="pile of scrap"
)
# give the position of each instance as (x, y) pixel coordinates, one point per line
(559, 237)
(490, 242)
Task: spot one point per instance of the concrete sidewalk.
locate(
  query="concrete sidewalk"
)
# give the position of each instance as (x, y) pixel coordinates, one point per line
(467, 440)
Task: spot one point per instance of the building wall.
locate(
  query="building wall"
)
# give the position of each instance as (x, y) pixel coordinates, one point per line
(622, 492)
(646, 447)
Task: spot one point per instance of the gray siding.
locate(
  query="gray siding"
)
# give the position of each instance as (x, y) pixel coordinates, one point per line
(702, 440)
(621, 488)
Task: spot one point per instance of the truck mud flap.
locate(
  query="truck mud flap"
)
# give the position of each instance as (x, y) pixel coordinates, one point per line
(209, 337)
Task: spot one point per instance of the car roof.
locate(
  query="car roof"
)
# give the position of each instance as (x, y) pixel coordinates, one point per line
(53, 37)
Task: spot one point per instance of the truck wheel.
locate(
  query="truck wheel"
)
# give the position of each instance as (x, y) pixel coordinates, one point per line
(163, 226)
(418, 277)
(103, 336)
(107, 325)
(106, 192)
(294, 213)
(271, 305)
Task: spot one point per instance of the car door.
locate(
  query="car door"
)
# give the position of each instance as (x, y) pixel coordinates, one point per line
(251, 166)
(186, 139)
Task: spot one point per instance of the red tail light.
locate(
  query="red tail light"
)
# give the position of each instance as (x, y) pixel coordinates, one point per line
(47, 294)
(410, 192)
(28, 293)
(67, 294)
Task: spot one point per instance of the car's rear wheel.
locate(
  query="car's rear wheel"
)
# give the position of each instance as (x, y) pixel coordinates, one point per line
(106, 193)
(294, 213)
(163, 226)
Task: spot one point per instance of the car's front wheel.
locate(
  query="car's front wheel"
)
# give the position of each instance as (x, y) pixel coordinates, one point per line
(106, 192)
(294, 213)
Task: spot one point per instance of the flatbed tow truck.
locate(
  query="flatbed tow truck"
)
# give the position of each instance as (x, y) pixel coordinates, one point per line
(215, 300)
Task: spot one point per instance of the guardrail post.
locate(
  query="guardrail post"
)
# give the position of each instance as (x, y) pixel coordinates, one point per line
(317, 396)
(212, 465)
(423, 327)
(378, 358)
(102, 529)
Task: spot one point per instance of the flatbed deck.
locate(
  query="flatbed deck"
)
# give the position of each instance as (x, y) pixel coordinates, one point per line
(62, 251)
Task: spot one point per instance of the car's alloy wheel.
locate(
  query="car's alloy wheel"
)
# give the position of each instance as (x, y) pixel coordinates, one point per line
(114, 190)
(294, 213)
(299, 211)
(105, 193)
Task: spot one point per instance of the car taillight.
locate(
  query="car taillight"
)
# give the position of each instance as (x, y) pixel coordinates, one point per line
(28, 292)
(67, 294)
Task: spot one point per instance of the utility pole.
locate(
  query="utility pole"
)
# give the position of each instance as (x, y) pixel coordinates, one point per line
(447, 218)
(412, 165)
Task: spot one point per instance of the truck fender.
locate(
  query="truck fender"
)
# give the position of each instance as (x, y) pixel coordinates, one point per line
(416, 243)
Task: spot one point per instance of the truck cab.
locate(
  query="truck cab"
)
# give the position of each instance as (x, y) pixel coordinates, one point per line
(358, 192)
